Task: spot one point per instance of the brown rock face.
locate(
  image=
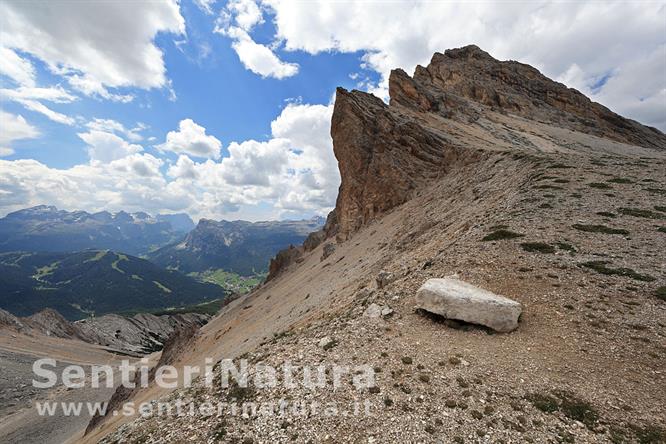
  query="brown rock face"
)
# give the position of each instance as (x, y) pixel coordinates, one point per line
(471, 74)
(385, 153)
(458, 110)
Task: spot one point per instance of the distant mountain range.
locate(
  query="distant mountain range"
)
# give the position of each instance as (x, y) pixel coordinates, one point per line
(45, 228)
(80, 263)
(241, 247)
(78, 284)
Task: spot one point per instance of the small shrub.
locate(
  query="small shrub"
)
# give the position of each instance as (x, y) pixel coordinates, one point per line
(660, 208)
(661, 293)
(566, 247)
(599, 229)
(576, 195)
(406, 360)
(545, 403)
(561, 181)
(600, 267)
(607, 214)
(548, 187)
(559, 166)
(545, 205)
(600, 185)
(501, 235)
(578, 410)
(537, 247)
(659, 191)
(661, 229)
(620, 180)
(640, 213)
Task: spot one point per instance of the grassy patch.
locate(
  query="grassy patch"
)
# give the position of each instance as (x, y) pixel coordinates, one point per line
(660, 208)
(543, 402)
(578, 410)
(545, 205)
(229, 280)
(566, 403)
(501, 235)
(114, 264)
(606, 214)
(44, 271)
(620, 180)
(559, 166)
(599, 229)
(602, 268)
(636, 212)
(659, 191)
(547, 187)
(566, 247)
(661, 293)
(600, 185)
(661, 229)
(99, 255)
(561, 180)
(537, 247)
(210, 308)
(161, 287)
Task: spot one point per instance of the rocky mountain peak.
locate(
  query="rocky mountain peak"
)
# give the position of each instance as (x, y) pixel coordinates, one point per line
(386, 153)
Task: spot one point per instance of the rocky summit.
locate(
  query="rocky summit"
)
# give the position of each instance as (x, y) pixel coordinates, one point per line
(518, 185)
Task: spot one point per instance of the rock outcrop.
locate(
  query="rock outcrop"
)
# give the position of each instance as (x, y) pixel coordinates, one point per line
(461, 301)
(386, 153)
(139, 335)
(448, 115)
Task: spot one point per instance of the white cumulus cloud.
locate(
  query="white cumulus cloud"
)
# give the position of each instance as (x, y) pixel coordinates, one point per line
(14, 127)
(191, 139)
(624, 41)
(98, 44)
(236, 22)
(106, 147)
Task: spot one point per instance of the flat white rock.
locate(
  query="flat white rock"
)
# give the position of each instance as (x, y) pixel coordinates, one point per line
(456, 299)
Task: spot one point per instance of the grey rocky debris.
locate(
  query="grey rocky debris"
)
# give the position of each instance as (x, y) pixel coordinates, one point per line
(384, 278)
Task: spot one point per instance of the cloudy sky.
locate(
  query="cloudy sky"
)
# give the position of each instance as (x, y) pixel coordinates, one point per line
(222, 109)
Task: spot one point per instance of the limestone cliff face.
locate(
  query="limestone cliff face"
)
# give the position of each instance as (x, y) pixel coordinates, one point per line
(469, 74)
(385, 153)
(459, 109)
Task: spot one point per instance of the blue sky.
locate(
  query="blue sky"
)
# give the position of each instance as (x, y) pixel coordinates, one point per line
(221, 109)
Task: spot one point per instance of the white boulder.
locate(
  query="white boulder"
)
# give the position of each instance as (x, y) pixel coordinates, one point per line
(456, 299)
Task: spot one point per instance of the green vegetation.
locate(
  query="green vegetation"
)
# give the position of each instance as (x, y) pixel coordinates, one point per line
(566, 247)
(229, 280)
(98, 256)
(209, 308)
(600, 185)
(537, 247)
(660, 208)
(559, 166)
(606, 214)
(661, 293)
(501, 235)
(620, 180)
(659, 191)
(567, 404)
(600, 267)
(640, 213)
(161, 287)
(600, 229)
(44, 271)
(661, 229)
(114, 264)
